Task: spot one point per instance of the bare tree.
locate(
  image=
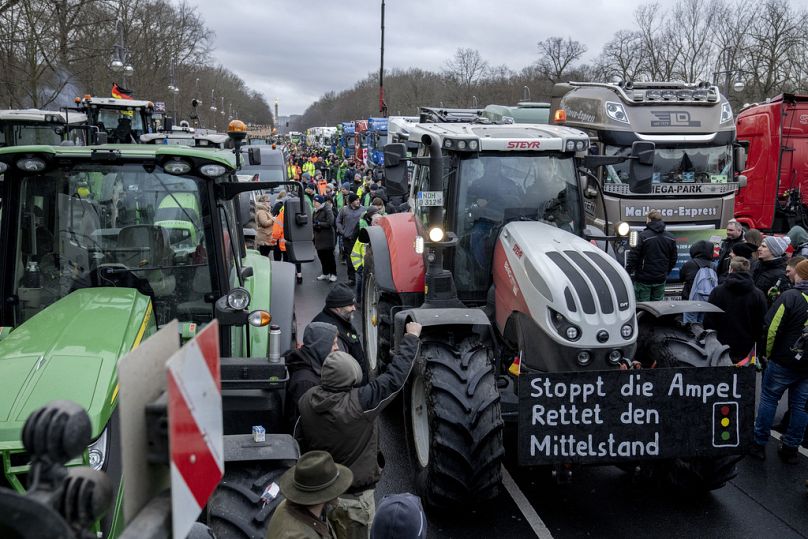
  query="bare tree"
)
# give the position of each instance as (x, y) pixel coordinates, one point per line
(622, 57)
(556, 56)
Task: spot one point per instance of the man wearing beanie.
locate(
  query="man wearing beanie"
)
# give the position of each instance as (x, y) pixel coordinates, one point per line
(744, 308)
(338, 310)
(399, 516)
(787, 369)
(338, 417)
(770, 273)
(348, 229)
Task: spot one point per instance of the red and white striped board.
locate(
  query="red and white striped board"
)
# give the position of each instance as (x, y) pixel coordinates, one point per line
(195, 427)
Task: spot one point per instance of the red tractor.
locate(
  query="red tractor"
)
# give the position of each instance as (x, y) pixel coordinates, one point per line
(496, 262)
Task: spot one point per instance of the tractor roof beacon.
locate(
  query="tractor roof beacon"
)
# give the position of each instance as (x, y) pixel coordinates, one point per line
(106, 244)
(501, 269)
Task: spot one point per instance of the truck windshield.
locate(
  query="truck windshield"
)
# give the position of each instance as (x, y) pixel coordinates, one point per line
(700, 164)
(497, 188)
(97, 226)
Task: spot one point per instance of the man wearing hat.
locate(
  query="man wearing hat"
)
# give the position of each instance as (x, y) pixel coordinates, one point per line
(309, 486)
(340, 418)
(338, 310)
(787, 369)
(770, 273)
(399, 516)
(744, 308)
(348, 229)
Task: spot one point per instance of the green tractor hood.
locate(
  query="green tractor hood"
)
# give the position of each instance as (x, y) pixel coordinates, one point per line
(70, 351)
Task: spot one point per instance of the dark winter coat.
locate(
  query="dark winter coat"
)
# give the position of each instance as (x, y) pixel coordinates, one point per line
(323, 224)
(294, 521)
(654, 256)
(785, 322)
(343, 422)
(701, 256)
(768, 272)
(742, 320)
(723, 254)
(349, 340)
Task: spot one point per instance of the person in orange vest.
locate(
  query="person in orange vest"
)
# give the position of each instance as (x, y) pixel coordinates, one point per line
(322, 184)
(280, 246)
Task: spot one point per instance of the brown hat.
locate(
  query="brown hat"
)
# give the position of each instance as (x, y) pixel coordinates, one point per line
(802, 270)
(315, 479)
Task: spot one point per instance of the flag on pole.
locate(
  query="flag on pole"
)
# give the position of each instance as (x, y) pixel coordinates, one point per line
(119, 92)
(751, 359)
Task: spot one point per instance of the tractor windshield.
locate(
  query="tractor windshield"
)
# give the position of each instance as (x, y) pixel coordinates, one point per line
(496, 188)
(98, 225)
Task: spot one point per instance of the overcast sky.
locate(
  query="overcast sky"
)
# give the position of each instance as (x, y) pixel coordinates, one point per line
(296, 50)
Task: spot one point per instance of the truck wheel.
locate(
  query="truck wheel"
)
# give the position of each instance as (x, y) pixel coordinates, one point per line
(236, 509)
(454, 424)
(677, 346)
(377, 321)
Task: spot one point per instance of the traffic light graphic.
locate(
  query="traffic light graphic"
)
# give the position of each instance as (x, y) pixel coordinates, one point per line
(725, 424)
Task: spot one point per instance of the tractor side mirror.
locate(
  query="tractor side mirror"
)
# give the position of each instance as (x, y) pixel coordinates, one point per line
(641, 166)
(588, 186)
(254, 155)
(298, 231)
(739, 157)
(395, 165)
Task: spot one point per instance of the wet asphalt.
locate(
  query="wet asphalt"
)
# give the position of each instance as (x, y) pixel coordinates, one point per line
(766, 500)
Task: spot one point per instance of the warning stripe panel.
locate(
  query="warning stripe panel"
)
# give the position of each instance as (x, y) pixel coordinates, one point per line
(190, 451)
(184, 507)
(208, 342)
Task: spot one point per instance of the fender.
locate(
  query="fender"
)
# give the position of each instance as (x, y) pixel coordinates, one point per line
(240, 447)
(442, 317)
(396, 265)
(658, 309)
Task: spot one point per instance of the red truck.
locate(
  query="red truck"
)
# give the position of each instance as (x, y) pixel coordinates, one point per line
(776, 195)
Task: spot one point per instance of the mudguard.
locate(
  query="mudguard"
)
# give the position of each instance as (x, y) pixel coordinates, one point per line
(441, 317)
(396, 265)
(282, 300)
(659, 309)
(240, 447)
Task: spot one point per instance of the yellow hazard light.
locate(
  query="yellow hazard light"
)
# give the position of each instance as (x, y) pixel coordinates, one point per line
(236, 126)
(87, 97)
(76, 100)
(259, 318)
(560, 116)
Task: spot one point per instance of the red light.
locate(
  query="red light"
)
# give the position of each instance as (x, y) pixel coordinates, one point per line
(725, 410)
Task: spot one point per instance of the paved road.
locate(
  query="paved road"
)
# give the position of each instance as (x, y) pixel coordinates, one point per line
(767, 499)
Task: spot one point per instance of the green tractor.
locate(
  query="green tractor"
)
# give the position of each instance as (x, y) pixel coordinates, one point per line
(103, 246)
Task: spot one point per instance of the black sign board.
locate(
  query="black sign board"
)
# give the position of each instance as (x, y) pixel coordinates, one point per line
(614, 416)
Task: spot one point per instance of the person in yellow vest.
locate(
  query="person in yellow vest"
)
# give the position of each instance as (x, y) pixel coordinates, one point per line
(308, 166)
(293, 174)
(370, 218)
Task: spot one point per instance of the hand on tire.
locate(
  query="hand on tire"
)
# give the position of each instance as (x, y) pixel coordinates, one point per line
(414, 329)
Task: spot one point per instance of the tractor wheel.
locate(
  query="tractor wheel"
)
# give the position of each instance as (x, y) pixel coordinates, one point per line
(454, 424)
(236, 509)
(680, 346)
(377, 322)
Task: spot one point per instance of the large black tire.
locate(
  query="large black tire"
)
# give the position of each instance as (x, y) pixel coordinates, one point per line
(454, 424)
(674, 345)
(377, 322)
(236, 510)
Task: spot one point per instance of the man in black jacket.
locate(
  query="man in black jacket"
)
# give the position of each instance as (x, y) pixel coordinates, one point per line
(770, 273)
(340, 418)
(338, 310)
(744, 308)
(787, 369)
(734, 237)
(305, 363)
(650, 261)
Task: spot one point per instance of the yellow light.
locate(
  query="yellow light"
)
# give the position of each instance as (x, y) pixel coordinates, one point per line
(725, 422)
(560, 116)
(236, 126)
(259, 318)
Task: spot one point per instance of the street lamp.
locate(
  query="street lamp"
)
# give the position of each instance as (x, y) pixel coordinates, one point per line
(120, 54)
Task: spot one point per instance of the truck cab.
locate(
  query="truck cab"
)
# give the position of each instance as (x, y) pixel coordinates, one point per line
(377, 138)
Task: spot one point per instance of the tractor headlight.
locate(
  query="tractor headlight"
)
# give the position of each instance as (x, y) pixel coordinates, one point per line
(212, 171)
(474, 145)
(177, 167)
(564, 327)
(238, 299)
(436, 234)
(623, 228)
(31, 164)
(419, 245)
(3, 167)
(627, 331)
(584, 358)
(97, 451)
(615, 356)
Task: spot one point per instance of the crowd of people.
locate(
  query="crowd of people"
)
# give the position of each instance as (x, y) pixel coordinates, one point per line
(344, 198)
(760, 282)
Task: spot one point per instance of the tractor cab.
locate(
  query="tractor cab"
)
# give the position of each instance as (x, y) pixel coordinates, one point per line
(493, 175)
(33, 126)
(123, 121)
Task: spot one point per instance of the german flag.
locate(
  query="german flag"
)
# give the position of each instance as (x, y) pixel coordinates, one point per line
(119, 92)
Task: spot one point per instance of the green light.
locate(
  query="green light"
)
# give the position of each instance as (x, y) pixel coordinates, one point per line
(725, 436)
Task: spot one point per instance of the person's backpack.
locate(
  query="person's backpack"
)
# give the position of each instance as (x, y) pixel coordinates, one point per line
(703, 283)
